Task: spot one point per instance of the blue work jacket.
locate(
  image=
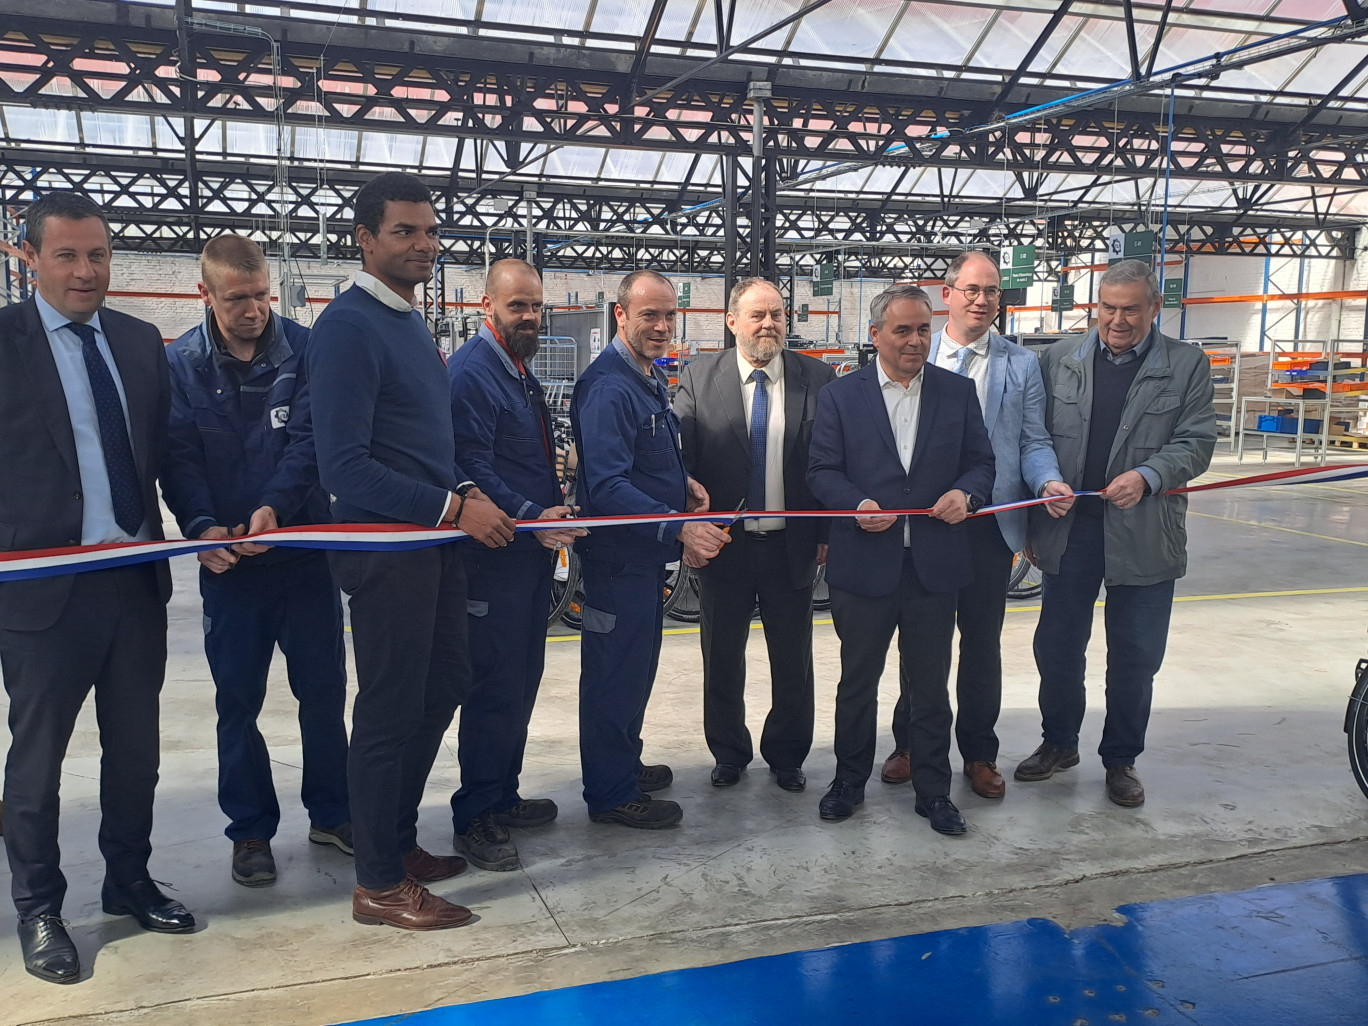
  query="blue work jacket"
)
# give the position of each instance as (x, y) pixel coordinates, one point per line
(503, 431)
(629, 458)
(240, 440)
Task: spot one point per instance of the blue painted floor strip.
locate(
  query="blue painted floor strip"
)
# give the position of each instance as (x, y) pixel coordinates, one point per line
(1281, 955)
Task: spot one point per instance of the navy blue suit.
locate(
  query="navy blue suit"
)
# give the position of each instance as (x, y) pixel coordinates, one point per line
(241, 438)
(503, 441)
(854, 457)
(628, 439)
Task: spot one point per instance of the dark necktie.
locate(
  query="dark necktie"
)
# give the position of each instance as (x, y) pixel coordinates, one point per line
(118, 453)
(755, 498)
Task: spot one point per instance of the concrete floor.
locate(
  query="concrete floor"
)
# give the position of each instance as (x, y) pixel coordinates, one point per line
(1246, 776)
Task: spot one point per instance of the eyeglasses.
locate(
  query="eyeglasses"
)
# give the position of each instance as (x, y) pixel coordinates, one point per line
(973, 292)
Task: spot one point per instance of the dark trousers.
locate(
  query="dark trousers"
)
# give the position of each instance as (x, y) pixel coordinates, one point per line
(925, 623)
(510, 595)
(247, 612)
(111, 637)
(408, 617)
(786, 613)
(980, 609)
(619, 652)
(1137, 623)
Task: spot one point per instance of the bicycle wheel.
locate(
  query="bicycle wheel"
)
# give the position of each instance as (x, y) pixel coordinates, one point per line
(565, 581)
(681, 595)
(1026, 580)
(1356, 726)
(821, 592)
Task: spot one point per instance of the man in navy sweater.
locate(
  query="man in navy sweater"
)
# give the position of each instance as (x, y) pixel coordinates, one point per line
(241, 459)
(628, 439)
(503, 439)
(383, 432)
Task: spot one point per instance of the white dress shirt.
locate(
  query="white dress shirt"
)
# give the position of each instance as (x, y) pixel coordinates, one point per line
(774, 434)
(904, 411)
(948, 357)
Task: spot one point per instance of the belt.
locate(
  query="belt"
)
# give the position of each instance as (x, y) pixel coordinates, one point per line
(764, 535)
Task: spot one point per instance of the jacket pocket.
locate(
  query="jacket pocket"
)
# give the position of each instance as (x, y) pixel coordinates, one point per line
(597, 621)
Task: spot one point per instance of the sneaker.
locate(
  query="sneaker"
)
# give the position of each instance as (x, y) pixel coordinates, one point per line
(529, 812)
(653, 778)
(644, 814)
(487, 844)
(253, 863)
(338, 836)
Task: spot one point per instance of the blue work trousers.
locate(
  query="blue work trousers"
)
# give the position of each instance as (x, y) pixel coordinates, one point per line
(623, 616)
(509, 599)
(1137, 623)
(248, 611)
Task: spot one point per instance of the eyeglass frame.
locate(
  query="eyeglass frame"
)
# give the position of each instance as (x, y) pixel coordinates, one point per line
(992, 293)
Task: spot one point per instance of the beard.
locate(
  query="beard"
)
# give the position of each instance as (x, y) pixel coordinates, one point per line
(760, 349)
(523, 342)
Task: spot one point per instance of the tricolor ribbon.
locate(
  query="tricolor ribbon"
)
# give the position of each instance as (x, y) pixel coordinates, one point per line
(29, 564)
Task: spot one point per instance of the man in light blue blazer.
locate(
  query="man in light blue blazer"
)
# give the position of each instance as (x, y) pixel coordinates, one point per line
(1011, 395)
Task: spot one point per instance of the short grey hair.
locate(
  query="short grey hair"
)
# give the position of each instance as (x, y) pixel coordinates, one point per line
(952, 272)
(745, 285)
(1128, 271)
(624, 293)
(878, 309)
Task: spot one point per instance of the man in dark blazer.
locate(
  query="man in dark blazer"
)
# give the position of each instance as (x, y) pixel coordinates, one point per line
(898, 434)
(84, 401)
(745, 420)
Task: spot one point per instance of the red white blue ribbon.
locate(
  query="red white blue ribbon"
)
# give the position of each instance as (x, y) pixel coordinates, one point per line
(29, 564)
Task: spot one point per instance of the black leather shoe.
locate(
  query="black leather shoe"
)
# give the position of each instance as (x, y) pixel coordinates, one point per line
(653, 778)
(645, 813)
(1042, 763)
(725, 775)
(153, 910)
(48, 951)
(790, 778)
(840, 800)
(944, 817)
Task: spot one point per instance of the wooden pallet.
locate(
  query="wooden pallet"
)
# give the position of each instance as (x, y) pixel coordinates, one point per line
(1349, 441)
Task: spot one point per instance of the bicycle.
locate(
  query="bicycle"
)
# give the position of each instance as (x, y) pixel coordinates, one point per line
(1026, 580)
(1356, 726)
(682, 600)
(565, 585)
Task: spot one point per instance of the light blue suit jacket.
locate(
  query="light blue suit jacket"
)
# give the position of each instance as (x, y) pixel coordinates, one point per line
(1015, 417)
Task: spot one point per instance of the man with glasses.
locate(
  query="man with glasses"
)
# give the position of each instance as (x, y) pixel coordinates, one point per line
(1011, 396)
(1130, 411)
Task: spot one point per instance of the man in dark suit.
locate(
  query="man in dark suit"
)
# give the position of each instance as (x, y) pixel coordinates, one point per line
(898, 434)
(84, 400)
(745, 419)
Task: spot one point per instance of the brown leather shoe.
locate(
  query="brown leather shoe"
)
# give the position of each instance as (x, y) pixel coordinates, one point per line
(985, 779)
(1124, 787)
(426, 868)
(409, 906)
(897, 768)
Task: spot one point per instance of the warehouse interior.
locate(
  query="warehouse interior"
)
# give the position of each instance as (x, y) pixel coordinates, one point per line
(833, 146)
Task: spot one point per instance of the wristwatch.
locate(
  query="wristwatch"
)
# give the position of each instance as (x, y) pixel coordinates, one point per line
(973, 501)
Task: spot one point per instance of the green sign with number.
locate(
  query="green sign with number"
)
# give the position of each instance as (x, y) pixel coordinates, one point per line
(824, 280)
(803, 314)
(598, 298)
(1130, 246)
(1017, 265)
(1173, 293)
(1062, 299)
(685, 295)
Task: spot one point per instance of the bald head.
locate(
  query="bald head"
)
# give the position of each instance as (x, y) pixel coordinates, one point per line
(513, 304)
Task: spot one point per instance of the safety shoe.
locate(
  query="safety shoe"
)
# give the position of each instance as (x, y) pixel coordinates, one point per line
(653, 778)
(529, 812)
(644, 813)
(253, 863)
(338, 836)
(1042, 763)
(487, 844)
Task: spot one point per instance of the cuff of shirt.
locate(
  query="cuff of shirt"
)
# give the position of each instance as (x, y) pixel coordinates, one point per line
(442, 519)
(1152, 479)
(198, 526)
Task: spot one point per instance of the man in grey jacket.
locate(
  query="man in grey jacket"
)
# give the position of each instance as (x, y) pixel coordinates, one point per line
(1130, 413)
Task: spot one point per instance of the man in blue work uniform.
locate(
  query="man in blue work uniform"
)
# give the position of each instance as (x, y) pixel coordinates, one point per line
(503, 441)
(241, 460)
(630, 463)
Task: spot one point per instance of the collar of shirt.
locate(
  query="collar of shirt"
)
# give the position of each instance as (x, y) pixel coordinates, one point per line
(1138, 353)
(54, 321)
(656, 376)
(979, 347)
(370, 283)
(888, 384)
(746, 369)
(223, 358)
(513, 362)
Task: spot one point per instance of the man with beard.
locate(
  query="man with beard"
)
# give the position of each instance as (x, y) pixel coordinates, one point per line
(745, 422)
(503, 441)
(386, 452)
(628, 439)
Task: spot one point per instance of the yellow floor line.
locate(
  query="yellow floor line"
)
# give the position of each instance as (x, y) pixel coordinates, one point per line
(1274, 527)
(1295, 593)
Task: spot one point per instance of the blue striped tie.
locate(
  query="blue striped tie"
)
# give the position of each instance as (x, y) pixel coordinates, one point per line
(755, 498)
(118, 451)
